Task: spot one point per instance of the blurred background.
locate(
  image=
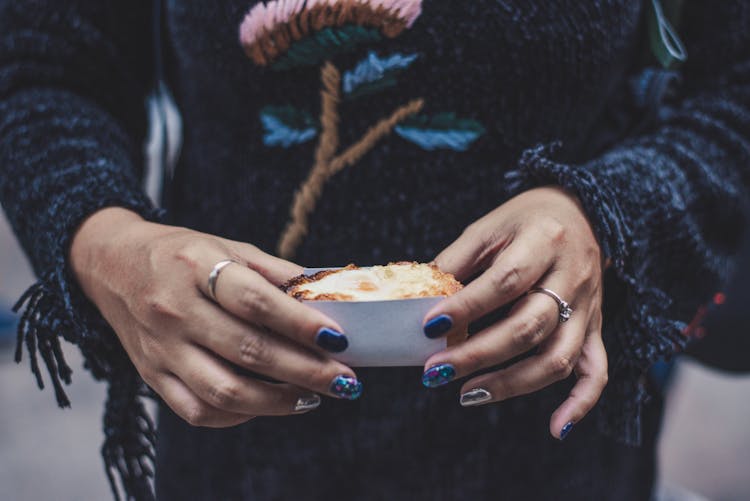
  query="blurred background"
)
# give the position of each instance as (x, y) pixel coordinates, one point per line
(47, 453)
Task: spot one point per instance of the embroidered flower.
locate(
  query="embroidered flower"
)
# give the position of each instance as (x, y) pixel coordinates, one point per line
(375, 73)
(287, 34)
(271, 29)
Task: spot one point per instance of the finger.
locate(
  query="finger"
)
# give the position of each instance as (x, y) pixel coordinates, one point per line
(264, 352)
(274, 269)
(192, 409)
(513, 272)
(473, 250)
(592, 378)
(246, 294)
(532, 320)
(553, 363)
(221, 387)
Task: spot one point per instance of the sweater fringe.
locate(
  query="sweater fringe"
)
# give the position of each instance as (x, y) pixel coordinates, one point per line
(129, 433)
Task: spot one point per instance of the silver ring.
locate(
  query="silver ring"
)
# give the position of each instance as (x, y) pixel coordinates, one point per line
(214, 276)
(564, 309)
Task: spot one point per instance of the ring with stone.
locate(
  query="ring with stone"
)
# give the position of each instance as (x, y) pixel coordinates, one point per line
(564, 308)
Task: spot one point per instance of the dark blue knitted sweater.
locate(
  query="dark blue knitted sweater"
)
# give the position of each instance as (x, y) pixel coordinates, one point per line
(505, 95)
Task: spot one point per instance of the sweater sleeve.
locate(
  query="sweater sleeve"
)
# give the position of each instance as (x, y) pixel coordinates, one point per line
(667, 206)
(74, 77)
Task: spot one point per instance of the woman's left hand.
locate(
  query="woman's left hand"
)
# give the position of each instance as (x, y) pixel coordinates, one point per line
(540, 238)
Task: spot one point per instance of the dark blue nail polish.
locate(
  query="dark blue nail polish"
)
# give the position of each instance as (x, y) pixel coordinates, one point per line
(346, 387)
(438, 326)
(438, 375)
(331, 340)
(566, 429)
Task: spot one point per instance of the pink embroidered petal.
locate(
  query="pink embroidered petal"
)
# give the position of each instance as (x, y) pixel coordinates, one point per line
(263, 18)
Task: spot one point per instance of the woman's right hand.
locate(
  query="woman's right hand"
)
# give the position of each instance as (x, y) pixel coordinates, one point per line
(150, 282)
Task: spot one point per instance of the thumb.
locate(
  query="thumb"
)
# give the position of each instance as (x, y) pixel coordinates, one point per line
(472, 252)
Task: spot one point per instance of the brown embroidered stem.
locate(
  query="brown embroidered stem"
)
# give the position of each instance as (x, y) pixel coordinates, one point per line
(330, 97)
(328, 142)
(309, 192)
(352, 154)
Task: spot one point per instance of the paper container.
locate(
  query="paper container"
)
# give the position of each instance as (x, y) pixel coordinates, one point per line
(382, 333)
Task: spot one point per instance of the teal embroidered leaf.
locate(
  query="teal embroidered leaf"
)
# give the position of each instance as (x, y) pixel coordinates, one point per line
(374, 74)
(286, 126)
(443, 130)
(325, 44)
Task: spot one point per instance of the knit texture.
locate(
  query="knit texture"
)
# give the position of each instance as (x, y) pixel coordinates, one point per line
(512, 95)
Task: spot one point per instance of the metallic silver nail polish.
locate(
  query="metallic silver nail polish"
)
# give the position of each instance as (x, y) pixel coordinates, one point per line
(307, 403)
(475, 396)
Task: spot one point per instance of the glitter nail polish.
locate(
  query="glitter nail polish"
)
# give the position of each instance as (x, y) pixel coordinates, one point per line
(438, 326)
(438, 375)
(307, 403)
(346, 387)
(475, 396)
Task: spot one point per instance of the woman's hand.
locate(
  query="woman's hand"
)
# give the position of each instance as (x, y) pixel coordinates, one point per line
(150, 283)
(540, 238)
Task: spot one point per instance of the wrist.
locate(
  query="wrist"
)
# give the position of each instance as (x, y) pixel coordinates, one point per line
(95, 240)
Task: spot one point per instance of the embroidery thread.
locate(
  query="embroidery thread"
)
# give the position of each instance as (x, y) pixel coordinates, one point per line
(444, 130)
(273, 28)
(327, 163)
(287, 34)
(286, 126)
(374, 74)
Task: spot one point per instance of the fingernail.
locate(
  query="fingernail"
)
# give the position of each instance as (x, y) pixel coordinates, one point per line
(346, 387)
(438, 326)
(307, 403)
(438, 375)
(566, 429)
(475, 396)
(331, 340)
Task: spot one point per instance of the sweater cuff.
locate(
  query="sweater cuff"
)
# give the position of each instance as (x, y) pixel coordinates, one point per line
(638, 329)
(55, 305)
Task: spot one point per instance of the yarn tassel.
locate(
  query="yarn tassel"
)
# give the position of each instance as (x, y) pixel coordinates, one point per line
(37, 328)
(130, 437)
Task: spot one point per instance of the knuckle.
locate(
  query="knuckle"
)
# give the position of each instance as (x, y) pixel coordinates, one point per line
(148, 375)
(506, 281)
(224, 394)
(554, 230)
(151, 351)
(188, 253)
(255, 351)
(196, 414)
(253, 303)
(321, 375)
(160, 305)
(560, 367)
(473, 359)
(603, 378)
(530, 332)
(471, 305)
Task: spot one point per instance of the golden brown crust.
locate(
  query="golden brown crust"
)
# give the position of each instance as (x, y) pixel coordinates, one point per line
(443, 284)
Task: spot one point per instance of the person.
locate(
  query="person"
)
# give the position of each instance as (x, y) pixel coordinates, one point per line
(324, 132)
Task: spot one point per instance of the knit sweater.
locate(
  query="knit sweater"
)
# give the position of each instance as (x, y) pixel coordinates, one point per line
(422, 116)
